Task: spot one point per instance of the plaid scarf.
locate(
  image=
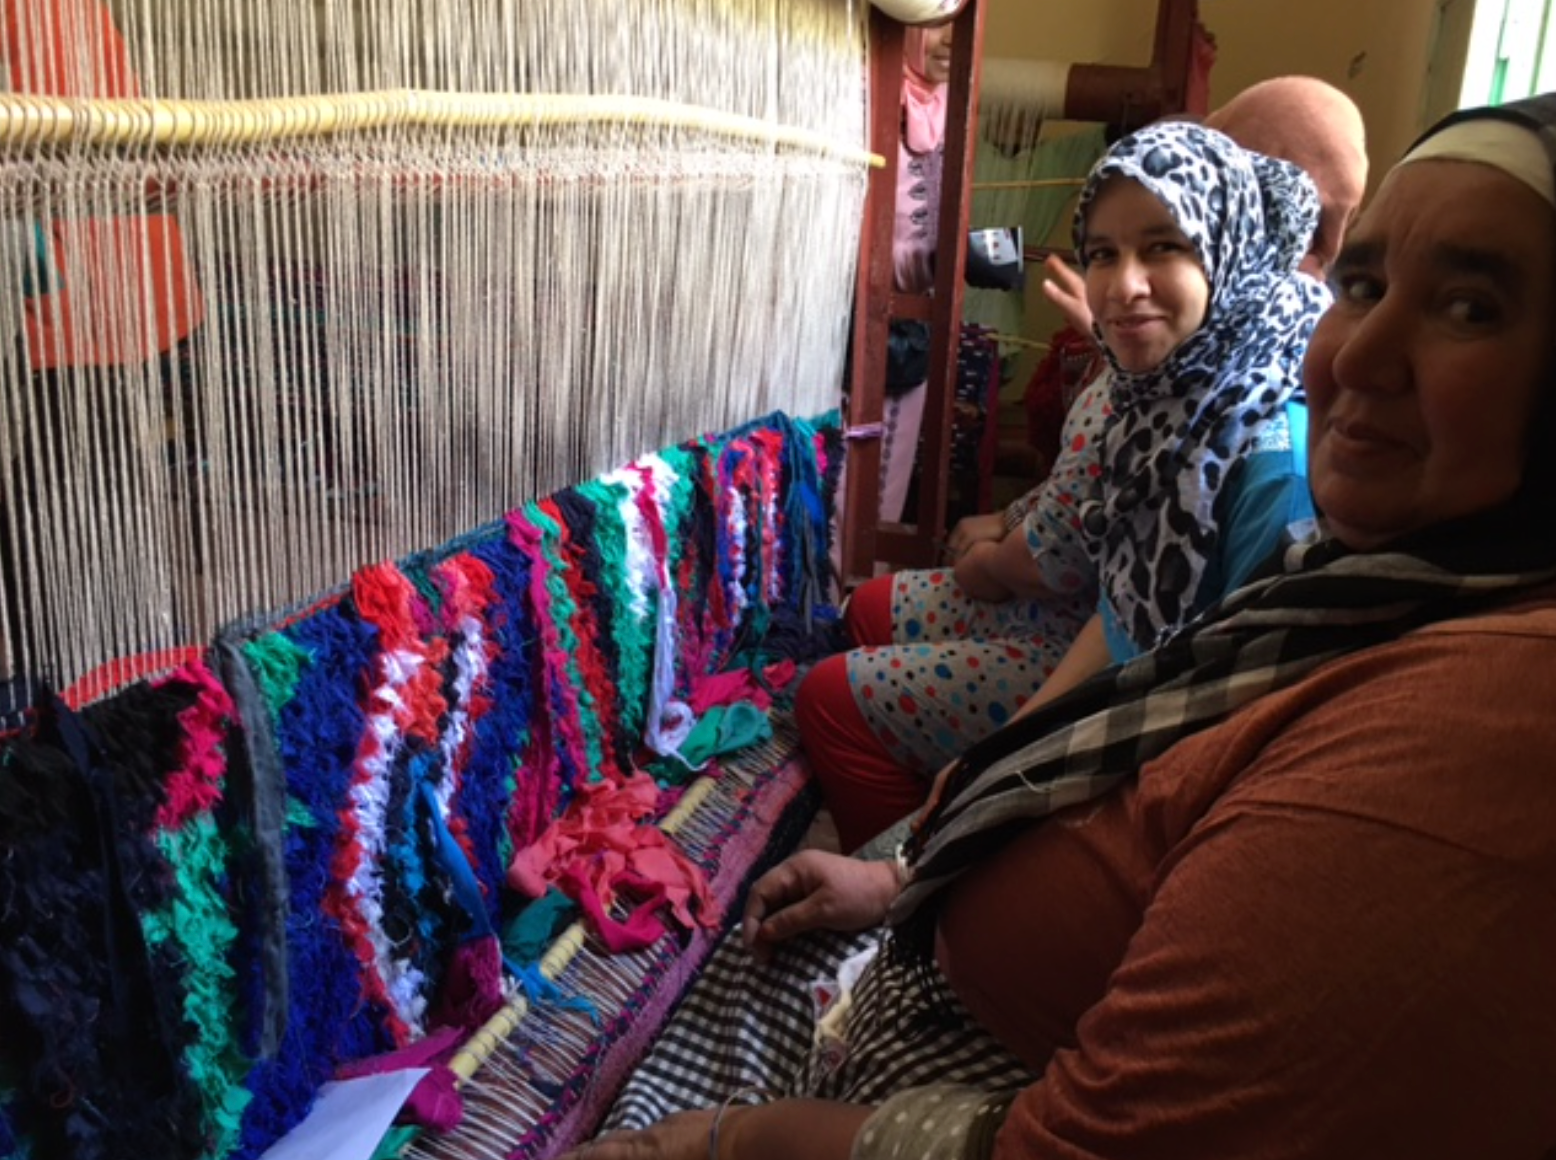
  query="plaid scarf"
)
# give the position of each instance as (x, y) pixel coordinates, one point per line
(1323, 604)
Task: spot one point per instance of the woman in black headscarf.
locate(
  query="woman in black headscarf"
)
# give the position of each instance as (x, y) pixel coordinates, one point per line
(1284, 886)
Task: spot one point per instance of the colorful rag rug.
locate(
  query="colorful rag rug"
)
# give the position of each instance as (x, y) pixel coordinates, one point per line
(307, 853)
(117, 928)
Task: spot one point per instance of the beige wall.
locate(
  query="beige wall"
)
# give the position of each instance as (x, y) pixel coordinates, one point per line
(1398, 59)
(1108, 31)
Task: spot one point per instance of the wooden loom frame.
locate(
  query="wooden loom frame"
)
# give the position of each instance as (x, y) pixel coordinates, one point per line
(1124, 97)
(915, 543)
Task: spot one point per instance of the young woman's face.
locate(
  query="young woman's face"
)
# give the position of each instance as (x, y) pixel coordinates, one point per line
(937, 54)
(1144, 282)
(1423, 377)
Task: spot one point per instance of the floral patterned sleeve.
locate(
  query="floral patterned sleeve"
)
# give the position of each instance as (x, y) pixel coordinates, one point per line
(1051, 521)
(934, 1123)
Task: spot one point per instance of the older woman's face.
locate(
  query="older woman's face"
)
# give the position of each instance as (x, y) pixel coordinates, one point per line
(1422, 378)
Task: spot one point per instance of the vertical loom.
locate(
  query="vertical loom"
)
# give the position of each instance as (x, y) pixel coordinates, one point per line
(298, 287)
(299, 290)
(342, 838)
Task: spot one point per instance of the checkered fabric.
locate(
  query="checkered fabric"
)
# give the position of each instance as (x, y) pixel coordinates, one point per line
(753, 1026)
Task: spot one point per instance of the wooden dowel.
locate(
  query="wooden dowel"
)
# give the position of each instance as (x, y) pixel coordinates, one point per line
(1017, 340)
(1043, 183)
(29, 122)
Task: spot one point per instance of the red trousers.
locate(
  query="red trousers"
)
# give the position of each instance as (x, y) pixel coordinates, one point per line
(865, 788)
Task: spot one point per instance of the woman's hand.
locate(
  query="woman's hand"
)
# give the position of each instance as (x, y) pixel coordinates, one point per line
(683, 1136)
(815, 890)
(977, 574)
(972, 530)
(817, 1129)
(1066, 289)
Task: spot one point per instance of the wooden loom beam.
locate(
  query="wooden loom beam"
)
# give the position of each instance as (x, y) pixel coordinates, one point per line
(1123, 97)
(865, 539)
(916, 544)
(872, 306)
(1127, 98)
(30, 122)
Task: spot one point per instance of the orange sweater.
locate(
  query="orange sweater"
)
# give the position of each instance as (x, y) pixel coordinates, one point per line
(1323, 929)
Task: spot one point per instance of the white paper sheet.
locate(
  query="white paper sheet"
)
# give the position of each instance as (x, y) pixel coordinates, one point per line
(349, 1118)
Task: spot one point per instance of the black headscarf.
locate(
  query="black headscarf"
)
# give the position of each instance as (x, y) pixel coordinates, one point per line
(1521, 533)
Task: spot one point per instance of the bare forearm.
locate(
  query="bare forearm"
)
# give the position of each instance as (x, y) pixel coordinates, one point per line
(816, 1129)
(976, 575)
(1087, 657)
(1015, 568)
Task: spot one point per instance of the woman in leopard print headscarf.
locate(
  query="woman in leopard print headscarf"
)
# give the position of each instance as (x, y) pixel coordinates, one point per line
(1191, 246)
(1162, 518)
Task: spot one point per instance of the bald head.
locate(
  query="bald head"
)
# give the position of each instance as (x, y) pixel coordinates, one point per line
(1317, 128)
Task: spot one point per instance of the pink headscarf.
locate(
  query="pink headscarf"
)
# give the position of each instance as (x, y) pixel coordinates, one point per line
(923, 101)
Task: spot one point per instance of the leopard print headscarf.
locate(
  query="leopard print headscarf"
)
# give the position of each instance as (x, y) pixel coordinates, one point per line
(1177, 430)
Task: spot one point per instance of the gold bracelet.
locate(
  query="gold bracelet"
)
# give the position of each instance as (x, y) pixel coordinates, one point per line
(751, 1095)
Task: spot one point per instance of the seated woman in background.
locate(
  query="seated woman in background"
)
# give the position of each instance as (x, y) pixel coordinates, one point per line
(1299, 119)
(1191, 246)
(1280, 889)
(926, 64)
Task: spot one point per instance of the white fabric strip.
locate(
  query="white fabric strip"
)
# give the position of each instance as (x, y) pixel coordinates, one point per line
(1500, 144)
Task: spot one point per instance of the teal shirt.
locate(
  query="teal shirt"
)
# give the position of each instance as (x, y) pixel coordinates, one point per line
(1265, 494)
